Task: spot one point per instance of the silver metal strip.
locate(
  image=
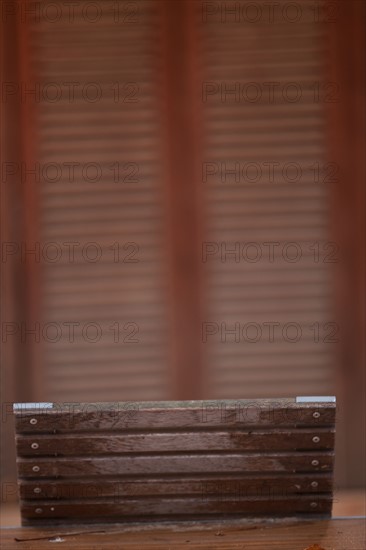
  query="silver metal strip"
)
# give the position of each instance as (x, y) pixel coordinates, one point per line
(316, 399)
(25, 406)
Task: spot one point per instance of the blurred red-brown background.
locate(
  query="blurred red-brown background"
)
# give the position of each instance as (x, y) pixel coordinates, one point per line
(184, 206)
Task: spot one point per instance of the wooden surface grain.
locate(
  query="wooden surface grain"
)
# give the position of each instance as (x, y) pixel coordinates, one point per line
(194, 460)
(245, 440)
(193, 415)
(176, 464)
(336, 534)
(250, 485)
(122, 510)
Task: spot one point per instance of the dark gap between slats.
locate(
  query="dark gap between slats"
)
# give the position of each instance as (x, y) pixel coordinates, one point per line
(163, 454)
(180, 429)
(145, 431)
(214, 497)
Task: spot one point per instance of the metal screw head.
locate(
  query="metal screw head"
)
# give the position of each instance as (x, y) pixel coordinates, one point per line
(52, 509)
(316, 439)
(314, 484)
(36, 490)
(313, 504)
(316, 414)
(35, 468)
(315, 462)
(39, 510)
(34, 445)
(33, 421)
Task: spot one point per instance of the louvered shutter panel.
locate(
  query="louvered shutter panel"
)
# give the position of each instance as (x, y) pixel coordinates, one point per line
(265, 175)
(103, 306)
(265, 185)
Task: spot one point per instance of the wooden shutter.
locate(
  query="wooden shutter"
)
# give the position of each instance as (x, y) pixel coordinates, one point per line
(268, 327)
(107, 123)
(264, 182)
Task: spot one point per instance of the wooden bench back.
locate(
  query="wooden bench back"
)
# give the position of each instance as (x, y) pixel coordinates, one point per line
(117, 462)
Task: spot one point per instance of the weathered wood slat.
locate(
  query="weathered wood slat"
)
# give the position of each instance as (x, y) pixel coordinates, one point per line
(177, 506)
(186, 415)
(250, 485)
(175, 464)
(87, 444)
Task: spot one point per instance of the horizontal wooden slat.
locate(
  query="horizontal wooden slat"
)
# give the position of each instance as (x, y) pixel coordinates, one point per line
(185, 415)
(183, 507)
(86, 444)
(165, 464)
(225, 484)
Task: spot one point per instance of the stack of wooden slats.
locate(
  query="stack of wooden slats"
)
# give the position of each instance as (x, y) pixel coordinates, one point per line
(174, 460)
